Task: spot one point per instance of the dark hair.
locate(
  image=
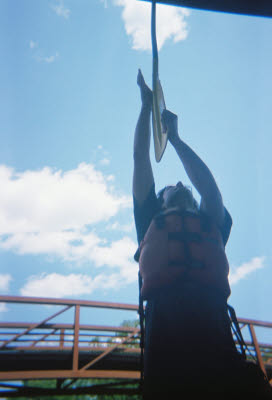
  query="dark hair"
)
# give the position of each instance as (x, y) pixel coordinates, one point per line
(160, 196)
(161, 200)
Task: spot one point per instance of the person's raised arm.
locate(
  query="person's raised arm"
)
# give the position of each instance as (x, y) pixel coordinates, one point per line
(197, 171)
(142, 175)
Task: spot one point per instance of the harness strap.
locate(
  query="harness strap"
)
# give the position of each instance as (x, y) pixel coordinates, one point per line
(187, 251)
(191, 237)
(185, 236)
(237, 330)
(142, 338)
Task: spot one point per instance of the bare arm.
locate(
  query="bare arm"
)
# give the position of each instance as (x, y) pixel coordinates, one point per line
(142, 174)
(197, 171)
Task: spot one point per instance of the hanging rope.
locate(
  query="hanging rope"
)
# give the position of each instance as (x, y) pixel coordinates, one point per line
(160, 142)
(160, 137)
(154, 45)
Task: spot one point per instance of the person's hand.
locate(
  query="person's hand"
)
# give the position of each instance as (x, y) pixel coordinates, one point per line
(170, 124)
(146, 93)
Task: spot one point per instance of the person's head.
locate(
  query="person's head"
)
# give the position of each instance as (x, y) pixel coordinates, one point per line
(177, 196)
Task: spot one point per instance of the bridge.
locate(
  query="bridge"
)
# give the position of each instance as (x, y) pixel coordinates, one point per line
(81, 358)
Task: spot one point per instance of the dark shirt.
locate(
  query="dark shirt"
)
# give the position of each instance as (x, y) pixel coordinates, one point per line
(144, 213)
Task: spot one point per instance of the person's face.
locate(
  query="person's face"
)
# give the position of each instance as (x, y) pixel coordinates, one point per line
(173, 195)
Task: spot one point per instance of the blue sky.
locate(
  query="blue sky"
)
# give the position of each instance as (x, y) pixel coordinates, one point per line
(69, 106)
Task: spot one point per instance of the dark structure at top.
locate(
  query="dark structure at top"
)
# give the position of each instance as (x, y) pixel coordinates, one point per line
(261, 8)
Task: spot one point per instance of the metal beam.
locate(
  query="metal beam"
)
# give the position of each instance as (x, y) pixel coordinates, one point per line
(257, 348)
(18, 335)
(111, 349)
(68, 374)
(105, 328)
(70, 353)
(67, 302)
(259, 8)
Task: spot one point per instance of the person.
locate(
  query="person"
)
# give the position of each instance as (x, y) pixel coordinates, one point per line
(189, 346)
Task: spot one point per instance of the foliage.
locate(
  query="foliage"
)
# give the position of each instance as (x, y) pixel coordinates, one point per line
(51, 384)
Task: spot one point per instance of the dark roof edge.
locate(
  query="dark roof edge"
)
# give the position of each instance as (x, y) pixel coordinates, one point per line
(260, 8)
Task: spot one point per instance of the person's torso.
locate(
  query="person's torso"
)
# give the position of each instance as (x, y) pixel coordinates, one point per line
(183, 245)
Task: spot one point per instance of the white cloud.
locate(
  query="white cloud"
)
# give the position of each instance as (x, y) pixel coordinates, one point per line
(117, 254)
(110, 178)
(47, 59)
(56, 285)
(5, 280)
(60, 286)
(238, 273)
(33, 44)
(39, 56)
(50, 59)
(55, 213)
(3, 307)
(67, 245)
(61, 10)
(105, 3)
(105, 161)
(49, 200)
(171, 23)
(116, 226)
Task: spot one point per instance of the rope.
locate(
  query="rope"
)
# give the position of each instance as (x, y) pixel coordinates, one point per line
(142, 338)
(160, 137)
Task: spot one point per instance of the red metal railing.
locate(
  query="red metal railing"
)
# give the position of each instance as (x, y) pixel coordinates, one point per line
(45, 335)
(98, 342)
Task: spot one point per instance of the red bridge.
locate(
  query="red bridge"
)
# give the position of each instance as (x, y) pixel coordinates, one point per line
(106, 359)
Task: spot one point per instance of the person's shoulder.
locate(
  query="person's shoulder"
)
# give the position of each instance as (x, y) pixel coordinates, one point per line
(227, 218)
(144, 212)
(224, 227)
(150, 198)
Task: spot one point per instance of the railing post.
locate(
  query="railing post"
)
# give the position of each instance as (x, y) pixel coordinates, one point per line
(257, 348)
(62, 336)
(76, 337)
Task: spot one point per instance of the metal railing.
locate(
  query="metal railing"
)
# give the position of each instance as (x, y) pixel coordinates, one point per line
(95, 351)
(257, 350)
(98, 341)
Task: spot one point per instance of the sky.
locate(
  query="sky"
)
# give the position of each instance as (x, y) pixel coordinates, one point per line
(68, 108)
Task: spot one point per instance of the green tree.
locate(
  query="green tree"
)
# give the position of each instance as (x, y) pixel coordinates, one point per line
(51, 384)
